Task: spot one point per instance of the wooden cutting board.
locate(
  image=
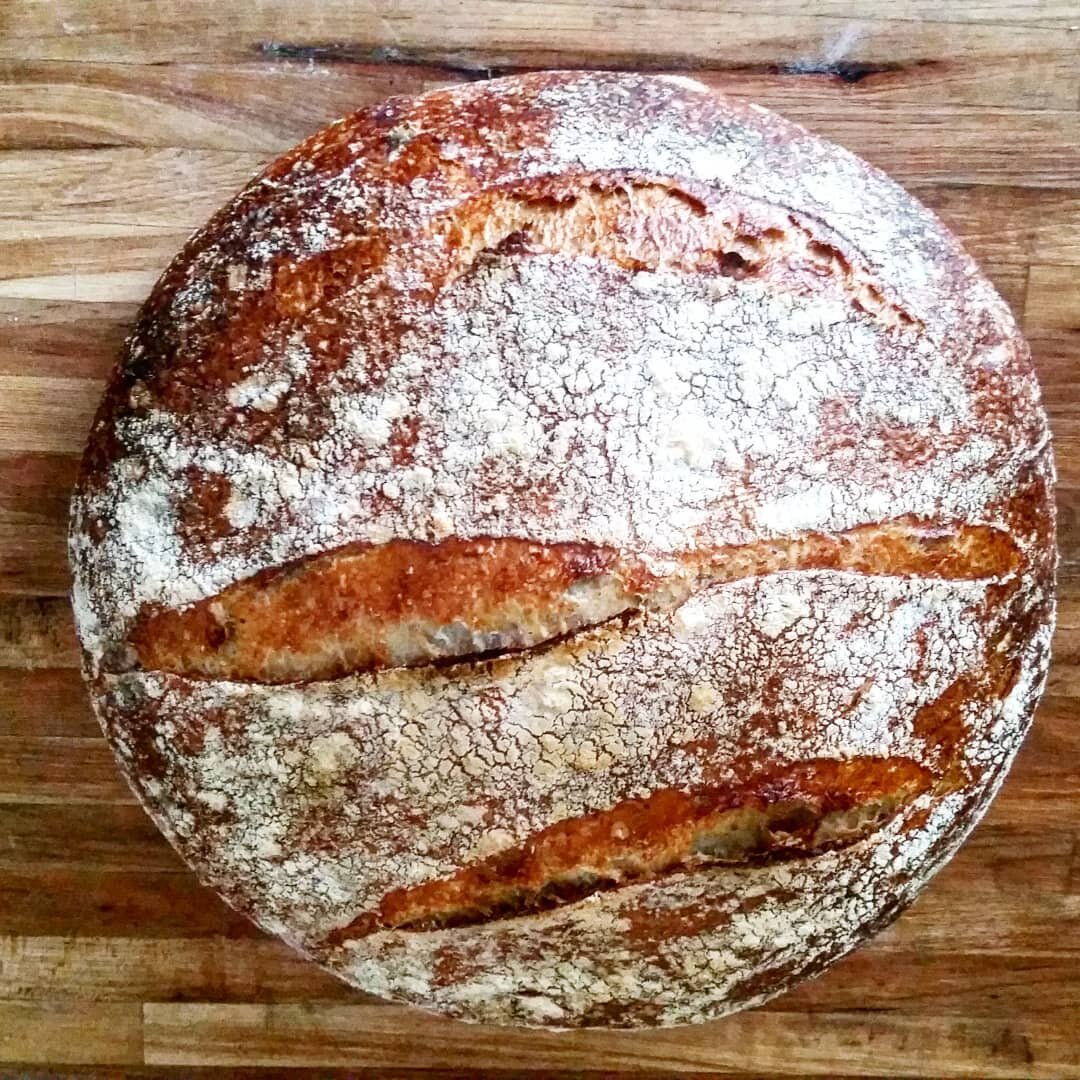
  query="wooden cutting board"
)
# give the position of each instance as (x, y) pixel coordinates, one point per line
(123, 125)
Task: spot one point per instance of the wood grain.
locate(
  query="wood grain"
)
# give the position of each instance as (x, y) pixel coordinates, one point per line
(46, 413)
(122, 127)
(266, 107)
(37, 632)
(57, 1033)
(372, 1035)
(534, 32)
(114, 968)
(74, 902)
(45, 703)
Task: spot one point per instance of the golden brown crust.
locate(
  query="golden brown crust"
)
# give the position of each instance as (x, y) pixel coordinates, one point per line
(405, 603)
(705, 407)
(390, 605)
(800, 810)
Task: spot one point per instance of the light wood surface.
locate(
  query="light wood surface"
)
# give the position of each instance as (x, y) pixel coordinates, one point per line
(122, 127)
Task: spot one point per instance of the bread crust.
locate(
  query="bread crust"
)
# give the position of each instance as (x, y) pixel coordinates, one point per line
(715, 478)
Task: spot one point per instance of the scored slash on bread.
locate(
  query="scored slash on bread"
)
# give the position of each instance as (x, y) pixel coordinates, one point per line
(568, 550)
(800, 810)
(407, 603)
(651, 226)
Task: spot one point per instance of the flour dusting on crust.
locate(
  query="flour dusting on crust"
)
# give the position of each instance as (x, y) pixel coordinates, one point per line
(406, 329)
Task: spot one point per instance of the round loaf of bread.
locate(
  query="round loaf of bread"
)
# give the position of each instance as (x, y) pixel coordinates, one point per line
(568, 550)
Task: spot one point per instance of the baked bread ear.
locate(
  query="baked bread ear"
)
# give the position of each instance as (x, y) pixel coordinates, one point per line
(571, 549)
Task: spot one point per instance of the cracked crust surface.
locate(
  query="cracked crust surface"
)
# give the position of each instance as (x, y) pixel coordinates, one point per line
(707, 429)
